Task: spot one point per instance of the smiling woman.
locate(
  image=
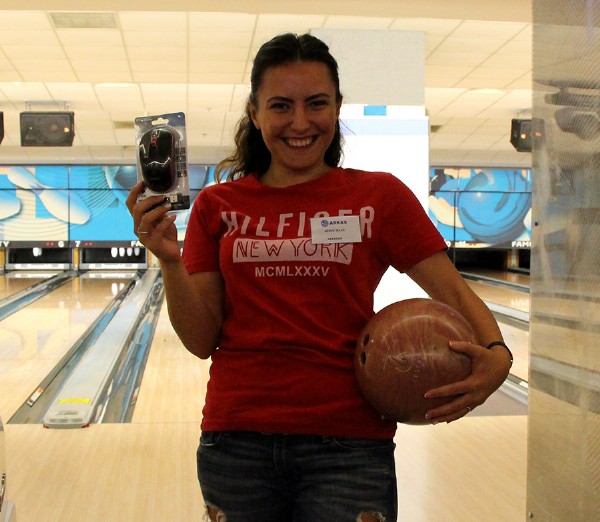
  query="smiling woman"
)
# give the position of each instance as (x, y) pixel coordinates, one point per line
(275, 283)
(294, 103)
(296, 111)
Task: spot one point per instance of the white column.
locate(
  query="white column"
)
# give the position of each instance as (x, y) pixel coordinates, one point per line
(384, 122)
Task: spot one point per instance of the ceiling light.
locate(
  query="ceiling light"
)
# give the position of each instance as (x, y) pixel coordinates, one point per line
(123, 124)
(65, 20)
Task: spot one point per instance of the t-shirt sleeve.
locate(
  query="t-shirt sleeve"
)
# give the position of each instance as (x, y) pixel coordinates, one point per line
(201, 243)
(408, 235)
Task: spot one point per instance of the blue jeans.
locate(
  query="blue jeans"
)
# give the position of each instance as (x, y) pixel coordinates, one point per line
(254, 477)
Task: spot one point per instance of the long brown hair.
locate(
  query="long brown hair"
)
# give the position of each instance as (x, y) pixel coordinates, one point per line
(251, 154)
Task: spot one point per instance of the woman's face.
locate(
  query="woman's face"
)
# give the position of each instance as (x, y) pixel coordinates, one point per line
(296, 112)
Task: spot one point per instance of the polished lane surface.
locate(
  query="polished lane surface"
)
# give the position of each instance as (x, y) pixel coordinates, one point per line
(34, 339)
(14, 282)
(174, 382)
(145, 470)
(507, 276)
(515, 335)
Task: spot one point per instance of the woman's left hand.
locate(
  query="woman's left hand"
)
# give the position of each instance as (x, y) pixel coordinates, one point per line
(489, 369)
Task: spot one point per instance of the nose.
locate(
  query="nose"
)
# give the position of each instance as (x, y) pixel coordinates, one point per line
(300, 120)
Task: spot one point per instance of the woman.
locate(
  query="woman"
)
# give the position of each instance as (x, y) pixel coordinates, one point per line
(286, 433)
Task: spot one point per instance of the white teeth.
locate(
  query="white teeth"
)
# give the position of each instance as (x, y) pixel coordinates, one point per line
(299, 142)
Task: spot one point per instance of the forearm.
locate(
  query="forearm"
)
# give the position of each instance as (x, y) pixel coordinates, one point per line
(479, 316)
(438, 277)
(475, 311)
(194, 304)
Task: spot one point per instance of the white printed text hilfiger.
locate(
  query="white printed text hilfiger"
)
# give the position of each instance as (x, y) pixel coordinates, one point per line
(256, 226)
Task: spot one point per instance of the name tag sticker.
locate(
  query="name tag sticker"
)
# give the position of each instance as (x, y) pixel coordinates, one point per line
(335, 229)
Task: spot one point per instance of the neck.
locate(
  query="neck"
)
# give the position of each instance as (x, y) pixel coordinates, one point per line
(274, 178)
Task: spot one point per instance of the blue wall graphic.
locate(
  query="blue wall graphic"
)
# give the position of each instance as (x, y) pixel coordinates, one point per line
(481, 207)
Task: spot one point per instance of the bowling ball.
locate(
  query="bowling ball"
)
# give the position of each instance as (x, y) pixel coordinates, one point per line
(403, 352)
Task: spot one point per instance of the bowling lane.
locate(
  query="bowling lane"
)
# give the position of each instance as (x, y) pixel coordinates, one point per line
(172, 373)
(501, 295)
(505, 276)
(131, 461)
(34, 339)
(517, 338)
(174, 382)
(146, 471)
(13, 282)
(471, 470)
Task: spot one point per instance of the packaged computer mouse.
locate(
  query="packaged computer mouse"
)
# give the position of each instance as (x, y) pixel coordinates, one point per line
(162, 158)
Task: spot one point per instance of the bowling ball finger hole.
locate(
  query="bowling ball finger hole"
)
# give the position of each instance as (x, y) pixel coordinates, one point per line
(365, 340)
(363, 357)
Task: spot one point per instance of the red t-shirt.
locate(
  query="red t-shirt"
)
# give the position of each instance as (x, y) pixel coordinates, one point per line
(293, 309)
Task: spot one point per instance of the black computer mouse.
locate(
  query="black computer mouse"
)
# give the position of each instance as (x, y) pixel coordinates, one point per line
(157, 158)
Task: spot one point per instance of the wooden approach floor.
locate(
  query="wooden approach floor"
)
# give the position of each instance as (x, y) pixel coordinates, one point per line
(470, 470)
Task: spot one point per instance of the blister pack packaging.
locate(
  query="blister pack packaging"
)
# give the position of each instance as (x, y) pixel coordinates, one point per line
(162, 158)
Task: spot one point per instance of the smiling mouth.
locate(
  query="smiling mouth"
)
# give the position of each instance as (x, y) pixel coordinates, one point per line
(300, 142)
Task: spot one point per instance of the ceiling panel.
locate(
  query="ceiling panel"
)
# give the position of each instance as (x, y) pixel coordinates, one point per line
(24, 21)
(205, 76)
(102, 38)
(11, 36)
(488, 30)
(454, 44)
(159, 77)
(519, 62)
(502, 74)
(458, 60)
(273, 24)
(199, 62)
(431, 26)
(215, 40)
(113, 98)
(34, 52)
(51, 71)
(205, 96)
(82, 95)
(149, 39)
(438, 98)
(144, 54)
(155, 21)
(445, 75)
(357, 22)
(217, 54)
(222, 22)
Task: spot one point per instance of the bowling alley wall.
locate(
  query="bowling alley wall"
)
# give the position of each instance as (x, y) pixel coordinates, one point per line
(564, 382)
(81, 208)
(52, 209)
(481, 208)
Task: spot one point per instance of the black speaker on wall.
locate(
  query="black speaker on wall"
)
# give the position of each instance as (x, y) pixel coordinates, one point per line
(520, 134)
(1, 126)
(47, 129)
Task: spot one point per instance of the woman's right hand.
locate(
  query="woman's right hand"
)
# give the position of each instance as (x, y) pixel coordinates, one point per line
(153, 225)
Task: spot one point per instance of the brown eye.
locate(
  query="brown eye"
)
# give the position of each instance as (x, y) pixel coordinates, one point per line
(279, 106)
